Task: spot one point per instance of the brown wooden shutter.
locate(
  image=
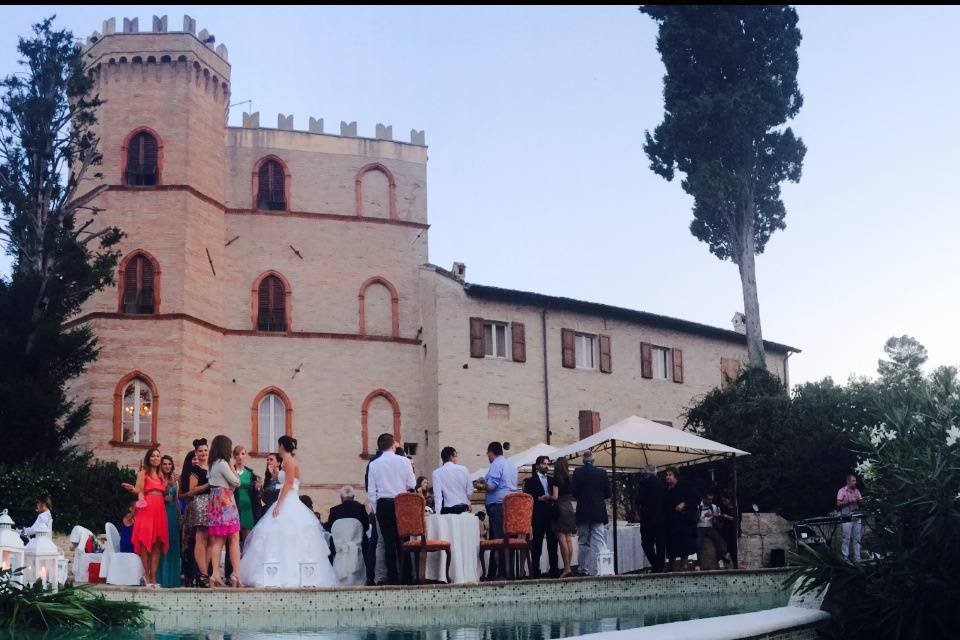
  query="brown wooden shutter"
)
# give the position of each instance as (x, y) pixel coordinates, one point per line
(518, 337)
(568, 348)
(130, 287)
(263, 186)
(646, 360)
(145, 295)
(279, 316)
(148, 159)
(677, 365)
(476, 338)
(606, 361)
(589, 423)
(271, 305)
(277, 191)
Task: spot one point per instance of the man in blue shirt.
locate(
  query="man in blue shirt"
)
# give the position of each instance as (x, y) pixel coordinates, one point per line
(500, 480)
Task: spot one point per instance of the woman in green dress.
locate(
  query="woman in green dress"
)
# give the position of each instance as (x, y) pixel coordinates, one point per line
(168, 573)
(246, 493)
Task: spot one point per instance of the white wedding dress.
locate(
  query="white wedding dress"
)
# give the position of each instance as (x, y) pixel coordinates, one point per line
(292, 538)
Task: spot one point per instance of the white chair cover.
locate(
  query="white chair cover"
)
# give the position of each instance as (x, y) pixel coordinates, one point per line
(119, 568)
(348, 541)
(81, 559)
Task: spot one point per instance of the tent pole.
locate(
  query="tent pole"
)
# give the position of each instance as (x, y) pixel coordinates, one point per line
(736, 509)
(613, 459)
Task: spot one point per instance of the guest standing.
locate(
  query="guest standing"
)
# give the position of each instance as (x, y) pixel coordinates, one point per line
(729, 525)
(199, 494)
(272, 481)
(500, 480)
(565, 524)
(168, 575)
(650, 505)
(247, 495)
(848, 501)
(150, 537)
(451, 484)
(680, 517)
(390, 475)
(707, 529)
(187, 562)
(44, 516)
(591, 490)
(223, 519)
(376, 569)
(541, 487)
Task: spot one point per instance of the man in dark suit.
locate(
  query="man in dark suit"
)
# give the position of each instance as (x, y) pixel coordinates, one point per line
(348, 508)
(653, 537)
(540, 486)
(591, 491)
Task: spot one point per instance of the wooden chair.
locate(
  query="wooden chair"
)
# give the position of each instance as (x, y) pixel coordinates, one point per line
(518, 528)
(412, 523)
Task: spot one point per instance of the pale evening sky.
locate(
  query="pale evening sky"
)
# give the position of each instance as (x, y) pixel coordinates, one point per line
(537, 178)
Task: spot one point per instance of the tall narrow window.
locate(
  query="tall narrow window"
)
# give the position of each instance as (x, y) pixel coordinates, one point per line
(271, 193)
(585, 351)
(271, 305)
(136, 416)
(138, 286)
(495, 340)
(142, 160)
(662, 362)
(271, 422)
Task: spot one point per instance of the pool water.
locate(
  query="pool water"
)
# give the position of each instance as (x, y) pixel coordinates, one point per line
(472, 621)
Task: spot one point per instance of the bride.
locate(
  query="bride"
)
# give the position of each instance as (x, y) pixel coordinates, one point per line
(288, 534)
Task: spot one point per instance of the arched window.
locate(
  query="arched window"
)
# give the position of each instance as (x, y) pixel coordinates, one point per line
(142, 160)
(135, 410)
(271, 188)
(272, 417)
(139, 286)
(271, 305)
(379, 413)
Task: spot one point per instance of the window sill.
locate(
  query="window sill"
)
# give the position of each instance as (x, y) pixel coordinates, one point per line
(134, 445)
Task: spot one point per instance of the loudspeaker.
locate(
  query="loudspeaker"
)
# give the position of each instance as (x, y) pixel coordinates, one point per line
(778, 558)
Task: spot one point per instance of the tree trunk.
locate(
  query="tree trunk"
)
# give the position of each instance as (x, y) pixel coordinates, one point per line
(751, 303)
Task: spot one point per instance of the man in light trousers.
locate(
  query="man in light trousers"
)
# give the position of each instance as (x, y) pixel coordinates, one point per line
(848, 501)
(591, 490)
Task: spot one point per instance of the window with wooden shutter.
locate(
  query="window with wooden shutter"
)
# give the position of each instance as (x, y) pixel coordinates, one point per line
(589, 423)
(138, 286)
(646, 359)
(519, 342)
(677, 366)
(476, 338)
(271, 305)
(142, 160)
(606, 360)
(568, 348)
(271, 190)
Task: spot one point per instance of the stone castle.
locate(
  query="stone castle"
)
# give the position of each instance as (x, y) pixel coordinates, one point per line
(277, 281)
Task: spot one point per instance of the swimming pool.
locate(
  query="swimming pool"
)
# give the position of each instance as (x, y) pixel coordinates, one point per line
(469, 621)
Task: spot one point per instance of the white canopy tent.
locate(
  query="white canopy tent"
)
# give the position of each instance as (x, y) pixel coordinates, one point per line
(522, 459)
(635, 442)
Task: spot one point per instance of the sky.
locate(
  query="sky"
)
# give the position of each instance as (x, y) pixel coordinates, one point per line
(537, 180)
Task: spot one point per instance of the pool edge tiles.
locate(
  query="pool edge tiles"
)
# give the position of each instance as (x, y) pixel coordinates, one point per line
(251, 601)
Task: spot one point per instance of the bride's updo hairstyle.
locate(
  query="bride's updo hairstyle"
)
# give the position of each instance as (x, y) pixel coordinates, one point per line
(289, 444)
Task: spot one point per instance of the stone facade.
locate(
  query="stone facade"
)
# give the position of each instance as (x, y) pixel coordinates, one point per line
(375, 338)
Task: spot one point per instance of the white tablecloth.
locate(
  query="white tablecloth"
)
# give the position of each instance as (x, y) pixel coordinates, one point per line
(630, 553)
(462, 531)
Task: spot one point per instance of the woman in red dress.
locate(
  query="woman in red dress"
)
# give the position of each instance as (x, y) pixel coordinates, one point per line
(150, 539)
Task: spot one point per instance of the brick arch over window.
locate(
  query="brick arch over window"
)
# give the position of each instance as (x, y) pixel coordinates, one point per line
(118, 409)
(394, 305)
(132, 144)
(285, 174)
(140, 280)
(376, 166)
(377, 393)
(287, 299)
(255, 416)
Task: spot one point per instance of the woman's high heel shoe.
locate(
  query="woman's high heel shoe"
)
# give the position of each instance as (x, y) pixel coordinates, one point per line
(203, 581)
(217, 582)
(235, 581)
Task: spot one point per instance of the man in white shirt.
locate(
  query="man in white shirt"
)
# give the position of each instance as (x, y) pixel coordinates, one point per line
(390, 475)
(710, 513)
(451, 484)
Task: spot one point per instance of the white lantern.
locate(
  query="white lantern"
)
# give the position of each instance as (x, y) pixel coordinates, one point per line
(41, 557)
(11, 546)
(309, 574)
(271, 574)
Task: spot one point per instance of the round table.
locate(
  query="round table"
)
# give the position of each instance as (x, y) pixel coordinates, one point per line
(629, 551)
(462, 531)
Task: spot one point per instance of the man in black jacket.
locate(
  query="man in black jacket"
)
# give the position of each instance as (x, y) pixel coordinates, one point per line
(650, 505)
(349, 508)
(540, 486)
(591, 491)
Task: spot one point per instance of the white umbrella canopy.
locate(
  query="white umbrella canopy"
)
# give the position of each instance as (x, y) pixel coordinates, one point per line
(640, 442)
(525, 457)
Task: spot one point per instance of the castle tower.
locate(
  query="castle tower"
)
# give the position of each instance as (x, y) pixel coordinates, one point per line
(162, 128)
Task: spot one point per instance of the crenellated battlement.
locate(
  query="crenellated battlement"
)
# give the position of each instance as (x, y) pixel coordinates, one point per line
(347, 129)
(160, 24)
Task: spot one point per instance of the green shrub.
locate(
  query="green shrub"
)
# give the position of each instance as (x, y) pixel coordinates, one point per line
(84, 491)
